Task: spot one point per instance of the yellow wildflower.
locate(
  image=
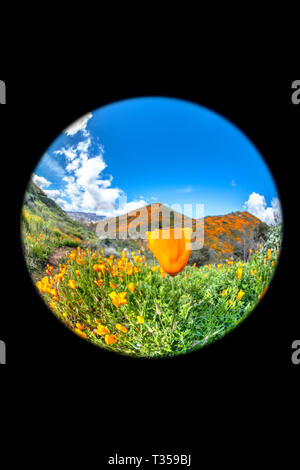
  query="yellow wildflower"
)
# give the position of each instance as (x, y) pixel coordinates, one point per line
(102, 330)
(239, 273)
(140, 319)
(72, 284)
(121, 328)
(240, 295)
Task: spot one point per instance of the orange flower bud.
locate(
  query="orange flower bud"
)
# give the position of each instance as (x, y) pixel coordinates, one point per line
(171, 247)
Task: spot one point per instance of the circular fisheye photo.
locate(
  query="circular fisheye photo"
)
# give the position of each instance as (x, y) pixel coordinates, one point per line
(151, 227)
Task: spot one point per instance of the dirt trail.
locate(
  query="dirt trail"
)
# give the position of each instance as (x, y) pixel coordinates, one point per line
(57, 255)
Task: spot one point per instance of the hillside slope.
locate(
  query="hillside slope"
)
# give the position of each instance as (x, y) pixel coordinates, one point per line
(45, 226)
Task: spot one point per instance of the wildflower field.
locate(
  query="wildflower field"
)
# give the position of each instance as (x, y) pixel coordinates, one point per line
(128, 305)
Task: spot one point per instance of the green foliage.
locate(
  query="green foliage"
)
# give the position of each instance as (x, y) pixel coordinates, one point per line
(200, 257)
(273, 238)
(261, 232)
(69, 242)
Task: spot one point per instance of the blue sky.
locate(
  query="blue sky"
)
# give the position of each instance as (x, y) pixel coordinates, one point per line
(156, 149)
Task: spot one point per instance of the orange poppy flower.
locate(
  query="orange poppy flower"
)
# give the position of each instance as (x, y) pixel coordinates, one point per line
(240, 295)
(171, 247)
(154, 268)
(121, 328)
(80, 333)
(72, 284)
(118, 299)
(102, 330)
(131, 287)
(111, 339)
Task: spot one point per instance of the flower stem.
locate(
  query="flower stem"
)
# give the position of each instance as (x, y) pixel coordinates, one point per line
(174, 307)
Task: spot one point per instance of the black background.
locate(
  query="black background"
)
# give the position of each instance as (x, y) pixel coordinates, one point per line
(246, 380)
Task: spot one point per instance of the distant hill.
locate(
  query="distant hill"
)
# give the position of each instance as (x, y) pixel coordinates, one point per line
(225, 236)
(85, 217)
(232, 235)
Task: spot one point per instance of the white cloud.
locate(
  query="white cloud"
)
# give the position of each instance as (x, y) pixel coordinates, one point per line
(233, 183)
(79, 125)
(53, 193)
(257, 205)
(87, 188)
(73, 165)
(89, 171)
(40, 181)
